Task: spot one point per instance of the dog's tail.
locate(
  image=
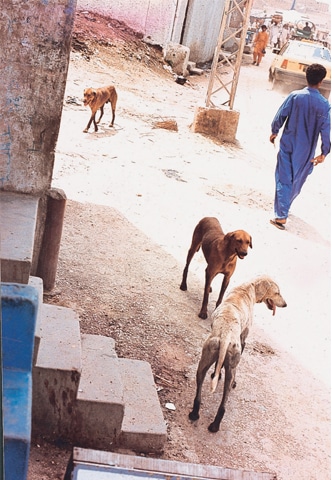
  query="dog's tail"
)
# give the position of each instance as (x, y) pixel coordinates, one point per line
(223, 346)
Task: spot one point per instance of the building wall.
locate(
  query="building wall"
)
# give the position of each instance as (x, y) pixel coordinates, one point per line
(201, 30)
(193, 23)
(36, 35)
(153, 18)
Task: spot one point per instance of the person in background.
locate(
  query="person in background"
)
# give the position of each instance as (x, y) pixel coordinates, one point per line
(307, 28)
(275, 31)
(261, 40)
(305, 115)
(284, 35)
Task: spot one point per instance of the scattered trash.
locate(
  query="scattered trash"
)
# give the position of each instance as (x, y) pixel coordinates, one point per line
(73, 100)
(180, 79)
(167, 125)
(170, 406)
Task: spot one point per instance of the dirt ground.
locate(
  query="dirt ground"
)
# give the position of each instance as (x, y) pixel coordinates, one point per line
(135, 193)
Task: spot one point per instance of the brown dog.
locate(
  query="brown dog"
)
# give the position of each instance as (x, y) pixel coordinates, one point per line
(231, 323)
(220, 251)
(96, 98)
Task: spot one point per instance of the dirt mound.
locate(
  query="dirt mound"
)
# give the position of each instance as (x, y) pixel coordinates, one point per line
(92, 31)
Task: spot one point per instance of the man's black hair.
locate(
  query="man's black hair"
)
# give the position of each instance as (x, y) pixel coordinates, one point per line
(315, 73)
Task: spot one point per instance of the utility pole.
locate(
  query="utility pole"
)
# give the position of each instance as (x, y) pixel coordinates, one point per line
(236, 12)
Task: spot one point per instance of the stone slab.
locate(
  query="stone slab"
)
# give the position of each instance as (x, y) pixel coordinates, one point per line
(18, 219)
(56, 374)
(96, 464)
(100, 403)
(143, 428)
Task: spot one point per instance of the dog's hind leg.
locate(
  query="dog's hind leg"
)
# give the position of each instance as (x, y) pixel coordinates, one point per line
(113, 105)
(191, 252)
(209, 356)
(196, 243)
(243, 338)
(231, 362)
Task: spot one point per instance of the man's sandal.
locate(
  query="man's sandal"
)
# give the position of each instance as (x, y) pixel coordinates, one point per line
(277, 224)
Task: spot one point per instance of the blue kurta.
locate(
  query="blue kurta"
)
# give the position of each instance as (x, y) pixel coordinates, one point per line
(306, 115)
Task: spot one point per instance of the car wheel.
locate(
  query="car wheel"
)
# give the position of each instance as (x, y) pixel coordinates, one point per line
(275, 84)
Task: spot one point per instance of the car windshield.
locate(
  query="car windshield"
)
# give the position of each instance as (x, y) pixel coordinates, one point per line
(307, 50)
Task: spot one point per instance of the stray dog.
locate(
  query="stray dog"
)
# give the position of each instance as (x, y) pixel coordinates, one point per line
(220, 251)
(231, 322)
(96, 98)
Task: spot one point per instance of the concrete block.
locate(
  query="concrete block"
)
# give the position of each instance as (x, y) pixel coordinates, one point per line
(221, 123)
(193, 70)
(100, 402)
(143, 428)
(18, 219)
(177, 56)
(56, 373)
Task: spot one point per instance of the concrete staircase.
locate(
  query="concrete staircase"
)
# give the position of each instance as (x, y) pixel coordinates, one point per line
(82, 392)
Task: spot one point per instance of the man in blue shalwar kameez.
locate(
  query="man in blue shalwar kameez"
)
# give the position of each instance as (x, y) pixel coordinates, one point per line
(305, 115)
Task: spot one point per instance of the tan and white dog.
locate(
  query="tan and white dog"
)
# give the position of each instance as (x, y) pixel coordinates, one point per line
(231, 322)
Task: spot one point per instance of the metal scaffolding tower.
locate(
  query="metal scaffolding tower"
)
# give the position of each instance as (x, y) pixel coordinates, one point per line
(234, 25)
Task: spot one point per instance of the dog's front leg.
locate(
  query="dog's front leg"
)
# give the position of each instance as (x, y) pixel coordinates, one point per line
(207, 289)
(92, 118)
(95, 123)
(101, 113)
(223, 289)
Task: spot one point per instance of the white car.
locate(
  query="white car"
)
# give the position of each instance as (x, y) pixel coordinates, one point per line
(287, 70)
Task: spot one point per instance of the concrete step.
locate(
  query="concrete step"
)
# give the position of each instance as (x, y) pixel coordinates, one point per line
(100, 402)
(18, 220)
(143, 428)
(56, 373)
(84, 394)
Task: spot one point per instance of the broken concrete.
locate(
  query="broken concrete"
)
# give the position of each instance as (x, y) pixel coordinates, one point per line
(216, 122)
(177, 56)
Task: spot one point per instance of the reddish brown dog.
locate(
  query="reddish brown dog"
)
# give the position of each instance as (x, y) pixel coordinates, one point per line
(221, 253)
(96, 98)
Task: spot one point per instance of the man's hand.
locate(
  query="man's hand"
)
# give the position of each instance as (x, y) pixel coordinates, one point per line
(317, 160)
(273, 137)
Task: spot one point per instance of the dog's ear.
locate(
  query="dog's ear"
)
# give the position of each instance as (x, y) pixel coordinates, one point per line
(94, 93)
(250, 244)
(229, 237)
